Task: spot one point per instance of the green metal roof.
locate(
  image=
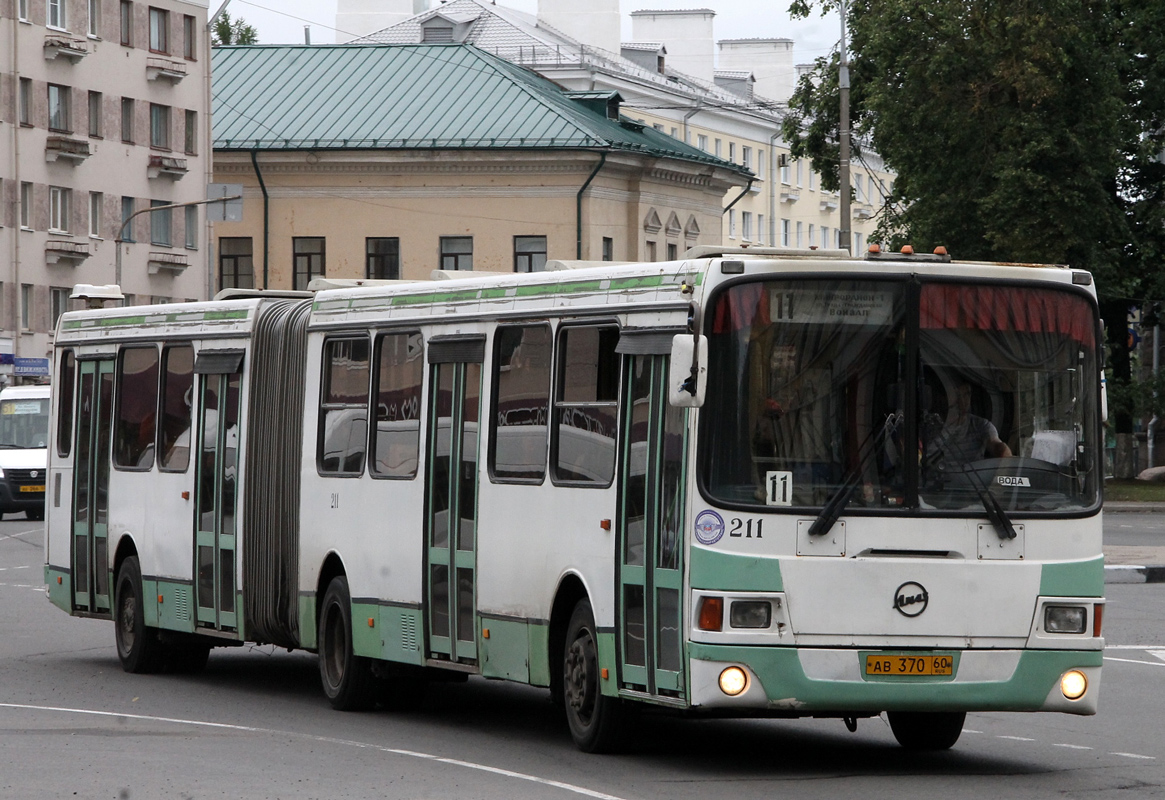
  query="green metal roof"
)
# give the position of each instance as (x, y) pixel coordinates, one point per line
(424, 96)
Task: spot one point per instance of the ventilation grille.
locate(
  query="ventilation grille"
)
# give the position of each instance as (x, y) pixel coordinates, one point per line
(182, 603)
(408, 632)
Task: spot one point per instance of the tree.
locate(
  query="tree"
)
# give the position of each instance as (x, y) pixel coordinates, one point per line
(228, 31)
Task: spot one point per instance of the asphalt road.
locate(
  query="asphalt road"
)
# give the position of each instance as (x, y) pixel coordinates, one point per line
(256, 725)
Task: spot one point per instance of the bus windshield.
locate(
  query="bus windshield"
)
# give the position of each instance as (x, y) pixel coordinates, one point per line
(807, 396)
(24, 422)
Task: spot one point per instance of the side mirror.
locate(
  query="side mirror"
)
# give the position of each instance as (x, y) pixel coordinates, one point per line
(688, 376)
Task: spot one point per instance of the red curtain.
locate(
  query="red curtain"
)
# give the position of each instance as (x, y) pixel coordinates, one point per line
(998, 308)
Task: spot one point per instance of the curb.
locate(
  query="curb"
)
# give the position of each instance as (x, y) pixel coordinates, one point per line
(1134, 573)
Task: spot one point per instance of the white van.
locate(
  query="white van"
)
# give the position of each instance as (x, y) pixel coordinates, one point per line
(24, 436)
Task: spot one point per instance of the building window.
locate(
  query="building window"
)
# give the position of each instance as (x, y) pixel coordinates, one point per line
(800, 231)
(824, 237)
(585, 407)
(127, 23)
(760, 227)
(675, 133)
(608, 249)
(529, 253)
(60, 200)
(785, 171)
(191, 227)
(859, 186)
(95, 114)
(673, 251)
(718, 148)
(732, 152)
(308, 259)
(396, 439)
(456, 252)
(127, 211)
(26, 101)
(137, 407)
(191, 132)
(189, 38)
(236, 266)
(58, 304)
(56, 14)
(59, 108)
(160, 221)
(746, 157)
(26, 306)
(159, 126)
(732, 223)
(746, 225)
(760, 164)
(127, 115)
(96, 201)
(22, 10)
(785, 232)
(702, 142)
(812, 231)
(650, 250)
(94, 16)
(521, 403)
(159, 30)
(382, 258)
(857, 242)
(26, 205)
(799, 170)
(343, 428)
(812, 180)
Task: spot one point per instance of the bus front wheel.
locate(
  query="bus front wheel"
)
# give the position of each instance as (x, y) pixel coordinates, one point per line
(595, 719)
(927, 730)
(138, 647)
(347, 678)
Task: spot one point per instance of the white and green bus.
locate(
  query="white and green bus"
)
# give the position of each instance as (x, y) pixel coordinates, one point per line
(747, 483)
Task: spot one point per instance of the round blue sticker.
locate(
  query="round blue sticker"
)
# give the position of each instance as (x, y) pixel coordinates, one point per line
(709, 527)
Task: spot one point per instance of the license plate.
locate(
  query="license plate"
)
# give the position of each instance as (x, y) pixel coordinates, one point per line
(39, 488)
(909, 665)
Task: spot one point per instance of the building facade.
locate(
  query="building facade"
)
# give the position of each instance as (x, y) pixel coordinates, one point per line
(103, 113)
(387, 162)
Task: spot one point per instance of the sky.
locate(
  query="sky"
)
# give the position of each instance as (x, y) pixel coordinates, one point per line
(283, 21)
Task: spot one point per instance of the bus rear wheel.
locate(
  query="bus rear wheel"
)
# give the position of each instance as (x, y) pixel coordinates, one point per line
(927, 730)
(347, 678)
(595, 719)
(138, 647)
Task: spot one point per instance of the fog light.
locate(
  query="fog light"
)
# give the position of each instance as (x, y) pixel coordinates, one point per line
(1065, 619)
(1073, 684)
(733, 681)
(750, 614)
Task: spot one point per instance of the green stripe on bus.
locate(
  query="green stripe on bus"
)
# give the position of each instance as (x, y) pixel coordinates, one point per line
(1073, 579)
(506, 653)
(712, 569)
(307, 621)
(786, 685)
(141, 319)
(60, 594)
(618, 284)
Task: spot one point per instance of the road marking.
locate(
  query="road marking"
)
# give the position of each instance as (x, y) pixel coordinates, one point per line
(1073, 746)
(1134, 755)
(16, 535)
(968, 730)
(1016, 738)
(1135, 661)
(1134, 647)
(570, 787)
(1157, 654)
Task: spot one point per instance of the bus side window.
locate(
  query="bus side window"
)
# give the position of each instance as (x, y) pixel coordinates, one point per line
(137, 408)
(396, 437)
(177, 401)
(586, 405)
(343, 420)
(65, 390)
(521, 403)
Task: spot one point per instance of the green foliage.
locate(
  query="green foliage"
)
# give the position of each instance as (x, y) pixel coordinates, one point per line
(1019, 130)
(228, 31)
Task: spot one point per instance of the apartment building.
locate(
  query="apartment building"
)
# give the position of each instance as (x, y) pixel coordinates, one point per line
(726, 98)
(103, 114)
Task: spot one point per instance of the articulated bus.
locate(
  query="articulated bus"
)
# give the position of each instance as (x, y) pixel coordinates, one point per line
(748, 483)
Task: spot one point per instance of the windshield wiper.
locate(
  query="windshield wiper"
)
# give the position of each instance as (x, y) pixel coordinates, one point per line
(999, 519)
(832, 510)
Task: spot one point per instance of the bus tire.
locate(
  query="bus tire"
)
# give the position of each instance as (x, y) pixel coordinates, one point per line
(346, 677)
(595, 719)
(138, 647)
(927, 730)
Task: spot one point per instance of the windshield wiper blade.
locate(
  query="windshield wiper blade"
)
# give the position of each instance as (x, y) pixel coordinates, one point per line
(832, 510)
(995, 512)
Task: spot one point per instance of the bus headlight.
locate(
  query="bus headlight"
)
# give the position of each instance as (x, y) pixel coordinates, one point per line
(733, 681)
(750, 614)
(1073, 684)
(1065, 619)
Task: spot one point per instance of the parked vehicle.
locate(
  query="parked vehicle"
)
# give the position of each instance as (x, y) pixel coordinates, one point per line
(24, 435)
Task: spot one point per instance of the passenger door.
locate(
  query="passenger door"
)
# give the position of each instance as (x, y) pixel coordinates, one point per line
(651, 492)
(93, 424)
(451, 496)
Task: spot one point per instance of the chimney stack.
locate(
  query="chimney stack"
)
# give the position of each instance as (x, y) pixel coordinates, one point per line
(687, 35)
(590, 22)
(769, 60)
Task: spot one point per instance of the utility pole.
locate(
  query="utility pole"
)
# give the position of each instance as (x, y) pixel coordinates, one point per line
(843, 229)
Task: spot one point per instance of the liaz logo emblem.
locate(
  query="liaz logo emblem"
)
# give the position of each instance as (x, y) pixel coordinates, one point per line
(910, 599)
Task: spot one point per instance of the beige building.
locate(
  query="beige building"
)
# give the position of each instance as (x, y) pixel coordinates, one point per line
(103, 113)
(391, 161)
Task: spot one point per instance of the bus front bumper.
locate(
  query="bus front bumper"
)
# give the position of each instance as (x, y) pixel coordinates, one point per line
(789, 681)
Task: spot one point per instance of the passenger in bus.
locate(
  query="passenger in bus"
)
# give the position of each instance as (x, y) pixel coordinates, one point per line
(964, 437)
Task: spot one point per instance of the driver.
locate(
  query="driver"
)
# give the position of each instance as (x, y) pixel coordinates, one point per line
(965, 436)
